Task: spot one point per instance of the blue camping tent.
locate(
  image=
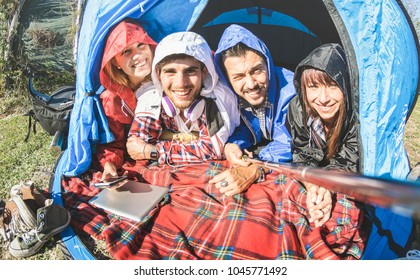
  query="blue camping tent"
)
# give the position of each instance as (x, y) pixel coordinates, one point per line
(377, 36)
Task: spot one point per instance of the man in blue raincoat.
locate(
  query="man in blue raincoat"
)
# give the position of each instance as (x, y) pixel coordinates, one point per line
(244, 63)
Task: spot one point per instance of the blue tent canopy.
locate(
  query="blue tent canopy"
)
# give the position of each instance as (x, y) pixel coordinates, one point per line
(378, 39)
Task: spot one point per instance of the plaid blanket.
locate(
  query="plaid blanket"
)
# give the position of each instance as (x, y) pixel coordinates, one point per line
(195, 221)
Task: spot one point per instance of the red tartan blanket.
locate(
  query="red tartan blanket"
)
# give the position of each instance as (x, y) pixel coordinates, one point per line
(195, 221)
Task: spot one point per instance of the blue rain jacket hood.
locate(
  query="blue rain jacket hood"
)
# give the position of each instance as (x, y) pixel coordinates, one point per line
(280, 91)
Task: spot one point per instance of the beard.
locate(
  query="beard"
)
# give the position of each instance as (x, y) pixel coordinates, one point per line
(260, 100)
(185, 104)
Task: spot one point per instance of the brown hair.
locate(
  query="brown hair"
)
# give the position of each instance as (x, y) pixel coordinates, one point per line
(117, 75)
(314, 76)
(238, 50)
(171, 58)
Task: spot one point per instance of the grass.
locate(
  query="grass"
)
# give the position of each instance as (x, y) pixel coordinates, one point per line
(20, 160)
(412, 146)
(33, 159)
(412, 135)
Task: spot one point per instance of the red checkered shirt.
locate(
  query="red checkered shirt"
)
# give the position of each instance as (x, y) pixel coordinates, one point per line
(174, 151)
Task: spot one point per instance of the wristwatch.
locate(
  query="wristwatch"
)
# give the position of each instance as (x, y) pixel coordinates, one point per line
(153, 153)
(262, 175)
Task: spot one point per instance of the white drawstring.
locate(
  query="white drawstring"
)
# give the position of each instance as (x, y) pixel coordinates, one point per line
(127, 108)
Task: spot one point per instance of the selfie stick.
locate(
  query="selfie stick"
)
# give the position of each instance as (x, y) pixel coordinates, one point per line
(401, 196)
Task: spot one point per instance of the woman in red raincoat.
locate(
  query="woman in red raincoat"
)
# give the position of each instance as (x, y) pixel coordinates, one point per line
(126, 65)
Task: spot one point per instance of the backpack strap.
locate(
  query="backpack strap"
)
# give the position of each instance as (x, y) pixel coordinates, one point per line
(31, 116)
(213, 116)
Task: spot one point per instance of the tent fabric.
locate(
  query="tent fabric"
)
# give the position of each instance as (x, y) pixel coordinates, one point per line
(102, 16)
(378, 42)
(387, 84)
(262, 16)
(388, 78)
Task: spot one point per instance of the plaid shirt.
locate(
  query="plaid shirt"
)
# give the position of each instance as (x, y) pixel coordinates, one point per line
(317, 132)
(174, 151)
(259, 112)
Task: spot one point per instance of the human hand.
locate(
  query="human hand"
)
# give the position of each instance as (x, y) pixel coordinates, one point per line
(119, 184)
(234, 155)
(186, 137)
(319, 203)
(136, 148)
(183, 137)
(235, 180)
(109, 171)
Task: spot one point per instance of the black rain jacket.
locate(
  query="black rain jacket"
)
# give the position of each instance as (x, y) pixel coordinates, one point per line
(331, 59)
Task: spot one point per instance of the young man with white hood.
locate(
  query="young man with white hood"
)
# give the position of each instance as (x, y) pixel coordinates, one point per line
(186, 115)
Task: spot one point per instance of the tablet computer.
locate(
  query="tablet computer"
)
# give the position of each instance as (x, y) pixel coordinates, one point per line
(133, 200)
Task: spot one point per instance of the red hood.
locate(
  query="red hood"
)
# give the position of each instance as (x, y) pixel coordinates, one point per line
(124, 34)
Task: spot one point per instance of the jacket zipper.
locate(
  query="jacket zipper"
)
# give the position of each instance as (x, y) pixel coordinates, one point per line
(249, 127)
(270, 122)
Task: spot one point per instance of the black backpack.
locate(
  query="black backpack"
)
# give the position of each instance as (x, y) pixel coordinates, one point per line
(51, 111)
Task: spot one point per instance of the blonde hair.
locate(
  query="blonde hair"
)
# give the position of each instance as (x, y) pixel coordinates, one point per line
(314, 76)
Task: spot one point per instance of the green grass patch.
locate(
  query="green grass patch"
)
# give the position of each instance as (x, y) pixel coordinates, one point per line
(20, 160)
(412, 135)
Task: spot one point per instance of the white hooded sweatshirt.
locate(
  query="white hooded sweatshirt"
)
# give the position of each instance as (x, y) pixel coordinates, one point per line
(150, 95)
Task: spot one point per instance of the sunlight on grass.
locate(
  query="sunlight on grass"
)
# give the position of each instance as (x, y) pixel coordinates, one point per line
(20, 160)
(412, 136)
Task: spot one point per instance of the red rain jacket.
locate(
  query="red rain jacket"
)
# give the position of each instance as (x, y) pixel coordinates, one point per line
(119, 102)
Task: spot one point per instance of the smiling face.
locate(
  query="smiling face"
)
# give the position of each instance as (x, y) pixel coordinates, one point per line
(248, 75)
(136, 61)
(323, 95)
(182, 80)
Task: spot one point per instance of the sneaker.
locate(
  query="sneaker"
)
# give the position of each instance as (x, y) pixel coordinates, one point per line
(3, 228)
(19, 212)
(32, 197)
(17, 218)
(412, 255)
(50, 220)
(22, 217)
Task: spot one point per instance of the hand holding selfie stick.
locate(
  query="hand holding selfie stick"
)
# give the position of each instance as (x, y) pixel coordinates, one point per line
(401, 196)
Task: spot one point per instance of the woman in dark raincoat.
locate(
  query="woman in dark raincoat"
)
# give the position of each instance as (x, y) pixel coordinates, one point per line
(321, 121)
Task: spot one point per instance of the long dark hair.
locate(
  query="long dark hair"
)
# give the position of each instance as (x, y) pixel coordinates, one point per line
(314, 76)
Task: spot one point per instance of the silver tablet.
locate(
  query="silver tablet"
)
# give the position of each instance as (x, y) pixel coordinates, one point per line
(133, 200)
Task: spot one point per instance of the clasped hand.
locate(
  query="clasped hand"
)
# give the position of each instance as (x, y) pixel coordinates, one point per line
(319, 203)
